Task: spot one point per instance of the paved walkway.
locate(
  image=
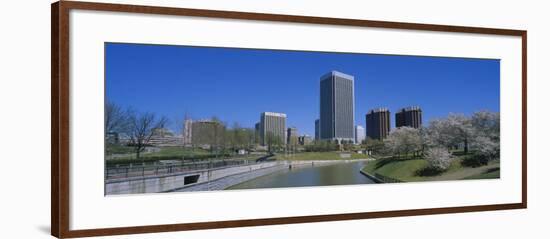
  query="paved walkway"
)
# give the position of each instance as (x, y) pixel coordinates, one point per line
(462, 174)
(225, 182)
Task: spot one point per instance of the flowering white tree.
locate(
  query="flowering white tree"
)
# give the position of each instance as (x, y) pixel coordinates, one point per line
(487, 123)
(439, 134)
(451, 131)
(486, 147)
(486, 140)
(404, 140)
(480, 132)
(462, 130)
(438, 158)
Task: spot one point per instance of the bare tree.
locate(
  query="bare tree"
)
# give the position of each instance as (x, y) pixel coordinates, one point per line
(273, 142)
(218, 135)
(141, 129)
(240, 136)
(116, 119)
(177, 123)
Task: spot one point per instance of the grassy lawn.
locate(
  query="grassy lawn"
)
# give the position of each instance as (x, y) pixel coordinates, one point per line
(176, 152)
(490, 173)
(119, 149)
(319, 156)
(167, 153)
(414, 169)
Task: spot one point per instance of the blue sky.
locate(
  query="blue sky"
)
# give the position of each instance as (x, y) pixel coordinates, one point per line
(236, 85)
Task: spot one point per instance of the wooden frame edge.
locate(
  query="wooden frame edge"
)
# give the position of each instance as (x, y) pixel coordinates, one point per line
(284, 18)
(54, 120)
(60, 118)
(284, 220)
(524, 118)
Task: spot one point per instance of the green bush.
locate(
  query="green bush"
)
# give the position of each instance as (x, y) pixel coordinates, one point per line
(475, 160)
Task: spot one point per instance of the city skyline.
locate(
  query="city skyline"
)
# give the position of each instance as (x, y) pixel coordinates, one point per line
(294, 88)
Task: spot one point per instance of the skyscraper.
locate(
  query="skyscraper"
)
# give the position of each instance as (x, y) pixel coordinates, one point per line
(272, 128)
(337, 107)
(378, 123)
(409, 116)
(359, 134)
(292, 136)
(317, 130)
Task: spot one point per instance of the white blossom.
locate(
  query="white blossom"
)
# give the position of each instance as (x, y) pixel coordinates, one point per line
(438, 158)
(404, 140)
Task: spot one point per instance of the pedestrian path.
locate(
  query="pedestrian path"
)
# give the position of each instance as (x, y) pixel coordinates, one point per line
(225, 182)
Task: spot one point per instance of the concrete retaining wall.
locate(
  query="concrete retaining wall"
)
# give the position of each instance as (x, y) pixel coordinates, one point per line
(155, 184)
(176, 182)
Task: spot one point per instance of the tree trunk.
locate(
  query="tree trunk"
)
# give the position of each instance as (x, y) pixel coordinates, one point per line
(466, 146)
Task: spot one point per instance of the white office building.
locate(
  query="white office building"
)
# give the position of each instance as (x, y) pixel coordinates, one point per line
(272, 128)
(359, 134)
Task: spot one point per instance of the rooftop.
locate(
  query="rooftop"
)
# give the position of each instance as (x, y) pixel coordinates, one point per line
(274, 114)
(377, 110)
(410, 108)
(339, 74)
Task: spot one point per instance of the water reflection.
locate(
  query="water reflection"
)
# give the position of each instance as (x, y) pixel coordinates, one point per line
(337, 174)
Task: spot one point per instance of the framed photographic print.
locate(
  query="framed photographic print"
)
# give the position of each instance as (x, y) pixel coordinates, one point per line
(167, 119)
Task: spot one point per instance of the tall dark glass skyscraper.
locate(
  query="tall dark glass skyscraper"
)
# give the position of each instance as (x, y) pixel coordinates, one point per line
(410, 117)
(317, 130)
(337, 107)
(378, 123)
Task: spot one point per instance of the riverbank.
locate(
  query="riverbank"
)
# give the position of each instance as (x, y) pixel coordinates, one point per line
(371, 177)
(415, 170)
(316, 156)
(211, 179)
(228, 181)
(178, 180)
(319, 163)
(239, 178)
(306, 174)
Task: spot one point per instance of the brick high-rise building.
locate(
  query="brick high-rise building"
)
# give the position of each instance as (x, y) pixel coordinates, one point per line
(378, 123)
(409, 116)
(203, 132)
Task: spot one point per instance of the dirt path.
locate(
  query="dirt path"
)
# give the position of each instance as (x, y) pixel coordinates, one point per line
(461, 174)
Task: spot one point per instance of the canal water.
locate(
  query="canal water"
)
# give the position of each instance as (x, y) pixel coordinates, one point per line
(336, 174)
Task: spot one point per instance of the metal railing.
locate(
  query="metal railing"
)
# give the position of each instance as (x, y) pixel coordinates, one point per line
(159, 168)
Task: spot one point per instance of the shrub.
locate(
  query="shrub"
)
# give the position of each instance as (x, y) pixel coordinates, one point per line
(438, 158)
(475, 160)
